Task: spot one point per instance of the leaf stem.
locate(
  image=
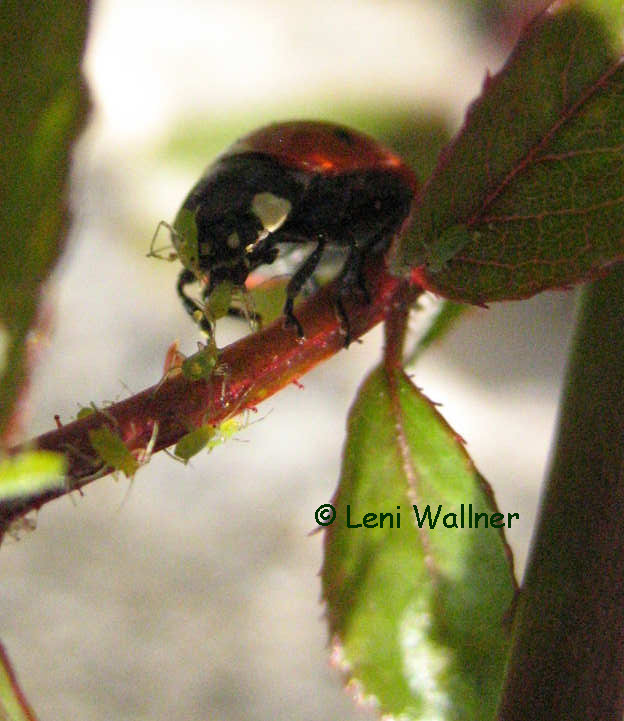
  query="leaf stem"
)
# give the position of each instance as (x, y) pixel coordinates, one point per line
(567, 660)
(396, 325)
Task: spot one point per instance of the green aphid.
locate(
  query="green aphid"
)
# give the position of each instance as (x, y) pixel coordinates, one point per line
(206, 436)
(227, 429)
(184, 239)
(194, 442)
(219, 301)
(84, 412)
(113, 451)
(447, 245)
(201, 365)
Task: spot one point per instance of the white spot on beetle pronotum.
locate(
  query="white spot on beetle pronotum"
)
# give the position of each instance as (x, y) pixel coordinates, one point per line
(271, 210)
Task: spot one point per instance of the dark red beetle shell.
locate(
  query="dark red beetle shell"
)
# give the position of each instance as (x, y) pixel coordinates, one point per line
(321, 147)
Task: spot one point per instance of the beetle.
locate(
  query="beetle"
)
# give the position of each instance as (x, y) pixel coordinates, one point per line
(290, 183)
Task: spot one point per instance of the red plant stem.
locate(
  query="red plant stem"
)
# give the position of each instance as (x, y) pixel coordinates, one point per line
(396, 327)
(258, 366)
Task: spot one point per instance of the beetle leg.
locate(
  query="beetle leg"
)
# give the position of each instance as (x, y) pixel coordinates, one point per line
(343, 318)
(298, 280)
(354, 271)
(263, 255)
(361, 282)
(185, 278)
(351, 276)
(191, 306)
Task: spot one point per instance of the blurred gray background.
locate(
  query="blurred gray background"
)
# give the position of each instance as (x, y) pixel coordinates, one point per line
(192, 592)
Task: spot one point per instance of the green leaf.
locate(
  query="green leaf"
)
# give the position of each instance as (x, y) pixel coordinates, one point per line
(420, 615)
(42, 107)
(529, 194)
(13, 704)
(31, 473)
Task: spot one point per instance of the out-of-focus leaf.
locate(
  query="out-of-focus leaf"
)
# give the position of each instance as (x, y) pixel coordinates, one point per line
(13, 704)
(42, 107)
(416, 137)
(442, 321)
(30, 473)
(420, 615)
(530, 191)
